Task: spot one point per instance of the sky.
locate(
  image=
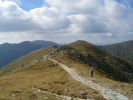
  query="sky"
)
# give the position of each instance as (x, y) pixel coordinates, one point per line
(64, 21)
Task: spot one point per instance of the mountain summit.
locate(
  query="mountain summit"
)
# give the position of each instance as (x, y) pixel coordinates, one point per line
(115, 67)
(64, 72)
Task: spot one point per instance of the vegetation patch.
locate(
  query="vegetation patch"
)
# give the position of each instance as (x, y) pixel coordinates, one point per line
(45, 76)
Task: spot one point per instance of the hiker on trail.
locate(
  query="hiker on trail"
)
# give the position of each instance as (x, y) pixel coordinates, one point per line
(91, 71)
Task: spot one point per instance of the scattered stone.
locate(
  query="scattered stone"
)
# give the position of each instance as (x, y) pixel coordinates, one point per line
(66, 90)
(13, 95)
(45, 98)
(106, 92)
(19, 90)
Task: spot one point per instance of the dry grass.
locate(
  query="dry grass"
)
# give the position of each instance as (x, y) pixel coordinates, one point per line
(25, 59)
(45, 76)
(99, 78)
(52, 78)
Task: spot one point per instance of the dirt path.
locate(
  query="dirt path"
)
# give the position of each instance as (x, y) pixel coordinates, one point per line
(107, 93)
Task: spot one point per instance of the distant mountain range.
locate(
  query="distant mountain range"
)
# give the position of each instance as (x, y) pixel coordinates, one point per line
(65, 71)
(10, 52)
(124, 49)
(82, 51)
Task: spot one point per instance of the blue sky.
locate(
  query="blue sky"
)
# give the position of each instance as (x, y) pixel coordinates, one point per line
(31, 4)
(64, 21)
(126, 2)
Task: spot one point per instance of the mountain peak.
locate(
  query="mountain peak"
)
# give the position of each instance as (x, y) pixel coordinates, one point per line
(81, 42)
(51, 71)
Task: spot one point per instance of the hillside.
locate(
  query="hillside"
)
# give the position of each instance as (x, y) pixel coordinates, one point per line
(113, 66)
(124, 50)
(10, 52)
(55, 73)
(27, 60)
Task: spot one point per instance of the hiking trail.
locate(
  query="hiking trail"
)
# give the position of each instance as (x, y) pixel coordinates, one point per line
(107, 93)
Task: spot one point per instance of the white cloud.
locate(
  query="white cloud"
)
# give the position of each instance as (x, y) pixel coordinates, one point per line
(13, 18)
(88, 24)
(79, 6)
(118, 16)
(96, 19)
(114, 16)
(49, 19)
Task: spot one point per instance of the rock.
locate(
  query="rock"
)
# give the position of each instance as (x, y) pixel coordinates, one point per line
(13, 95)
(19, 90)
(66, 90)
(45, 98)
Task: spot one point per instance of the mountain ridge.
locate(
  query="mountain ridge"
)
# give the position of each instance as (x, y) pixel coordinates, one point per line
(10, 52)
(114, 67)
(48, 76)
(123, 49)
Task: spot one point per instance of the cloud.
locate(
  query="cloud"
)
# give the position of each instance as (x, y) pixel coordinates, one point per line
(49, 19)
(17, 1)
(100, 16)
(87, 24)
(78, 6)
(96, 19)
(118, 16)
(13, 18)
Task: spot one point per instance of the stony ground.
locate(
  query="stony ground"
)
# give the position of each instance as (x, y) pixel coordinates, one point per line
(107, 93)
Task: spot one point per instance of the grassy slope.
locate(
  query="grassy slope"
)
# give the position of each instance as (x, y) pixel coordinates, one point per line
(115, 67)
(26, 59)
(10, 52)
(99, 78)
(45, 76)
(124, 50)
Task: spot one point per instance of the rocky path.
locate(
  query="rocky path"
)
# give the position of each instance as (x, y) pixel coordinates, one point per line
(108, 94)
